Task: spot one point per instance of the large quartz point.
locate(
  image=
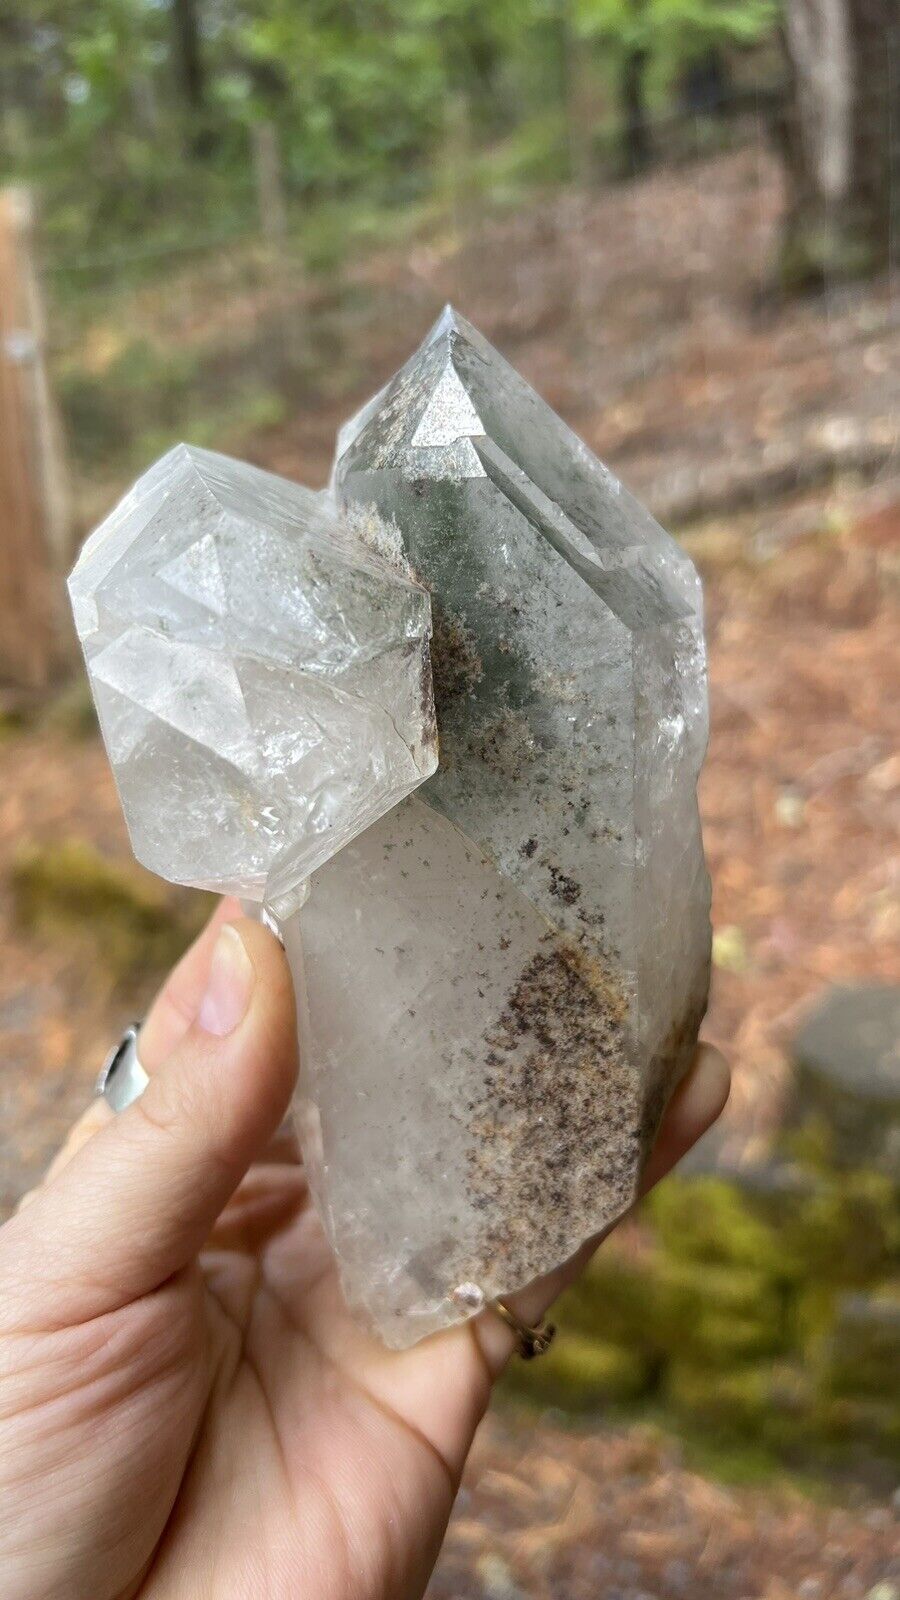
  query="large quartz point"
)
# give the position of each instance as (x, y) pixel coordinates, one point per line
(506, 974)
(261, 676)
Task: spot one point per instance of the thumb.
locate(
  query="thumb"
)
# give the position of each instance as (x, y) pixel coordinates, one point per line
(136, 1203)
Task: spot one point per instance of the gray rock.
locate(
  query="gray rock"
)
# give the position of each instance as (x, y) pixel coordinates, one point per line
(848, 1071)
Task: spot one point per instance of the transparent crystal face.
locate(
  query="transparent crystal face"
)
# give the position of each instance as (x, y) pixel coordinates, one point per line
(481, 1091)
(262, 678)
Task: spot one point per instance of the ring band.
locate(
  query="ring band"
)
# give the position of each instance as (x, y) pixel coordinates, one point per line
(122, 1078)
(530, 1342)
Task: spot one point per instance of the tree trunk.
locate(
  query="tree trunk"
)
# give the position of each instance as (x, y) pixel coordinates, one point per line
(635, 130)
(191, 74)
(636, 150)
(841, 121)
(189, 59)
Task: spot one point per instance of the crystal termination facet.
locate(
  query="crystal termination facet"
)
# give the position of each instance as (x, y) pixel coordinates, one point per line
(262, 678)
(483, 1081)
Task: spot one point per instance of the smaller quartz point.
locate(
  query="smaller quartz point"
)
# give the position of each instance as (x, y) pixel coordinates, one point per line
(262, 677)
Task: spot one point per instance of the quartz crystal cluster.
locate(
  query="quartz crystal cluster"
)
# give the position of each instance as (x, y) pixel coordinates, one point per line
(500, 977)
(262, 678)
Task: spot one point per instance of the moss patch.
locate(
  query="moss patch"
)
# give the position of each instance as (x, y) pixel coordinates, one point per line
(667, 1308)
(69, 892)
(862, 1348)
(746, 1400)
(709, 1220)
(580, 1374)
(762, 1320)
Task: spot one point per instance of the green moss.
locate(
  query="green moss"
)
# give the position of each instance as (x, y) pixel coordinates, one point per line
(133, 922)
(847, 1231)
(665, 1307)
(862, 1349)
(11, 724)
(846, 1425)
(764, 1322)
(615, 1300)
(814, 254)
(722, 1314)
(812, 1316)
(579, 1374)
(843, 1228)
(744, 1462)
(710, 1220)
(811, 1144)
(744, 1401)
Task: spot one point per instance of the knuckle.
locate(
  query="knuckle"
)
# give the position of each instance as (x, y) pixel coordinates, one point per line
(189, 1110)
(161, 1110)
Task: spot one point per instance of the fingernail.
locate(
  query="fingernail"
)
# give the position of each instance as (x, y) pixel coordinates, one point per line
(229, 985)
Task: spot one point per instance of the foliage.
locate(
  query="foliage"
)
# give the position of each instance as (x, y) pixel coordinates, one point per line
(581, 1372)
(676, 30)
(365, 96)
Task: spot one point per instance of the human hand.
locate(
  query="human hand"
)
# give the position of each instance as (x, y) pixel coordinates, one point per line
(186, 1407)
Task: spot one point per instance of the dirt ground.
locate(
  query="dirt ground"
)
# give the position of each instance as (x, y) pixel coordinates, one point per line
(616, 1516)
(645, 315)
(767, 434)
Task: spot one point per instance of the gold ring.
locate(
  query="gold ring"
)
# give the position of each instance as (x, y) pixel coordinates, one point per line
(531, 1342)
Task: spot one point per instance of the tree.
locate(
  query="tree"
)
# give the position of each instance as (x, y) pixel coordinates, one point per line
(669, 34)
(840, 138)
(190, 75)
(632, 89)
(188, 57)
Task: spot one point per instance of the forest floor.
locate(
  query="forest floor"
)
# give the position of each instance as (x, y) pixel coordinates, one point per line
(766, 434)
(645, 314)
(615, 1515)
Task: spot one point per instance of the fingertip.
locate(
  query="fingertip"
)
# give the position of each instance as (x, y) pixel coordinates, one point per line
(266, 1036)
(274, 989)
(228, 1080)
(708, 1084)
(176, 1004)
(715, 1079)
(696, 1104)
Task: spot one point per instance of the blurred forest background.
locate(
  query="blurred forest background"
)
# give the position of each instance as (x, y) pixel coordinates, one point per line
(230, 223)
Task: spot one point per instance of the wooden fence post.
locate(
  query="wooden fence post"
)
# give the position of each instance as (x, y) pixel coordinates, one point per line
(33, 519)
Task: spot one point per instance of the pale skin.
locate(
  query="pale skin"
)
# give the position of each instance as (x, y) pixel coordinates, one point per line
(186, 1408)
